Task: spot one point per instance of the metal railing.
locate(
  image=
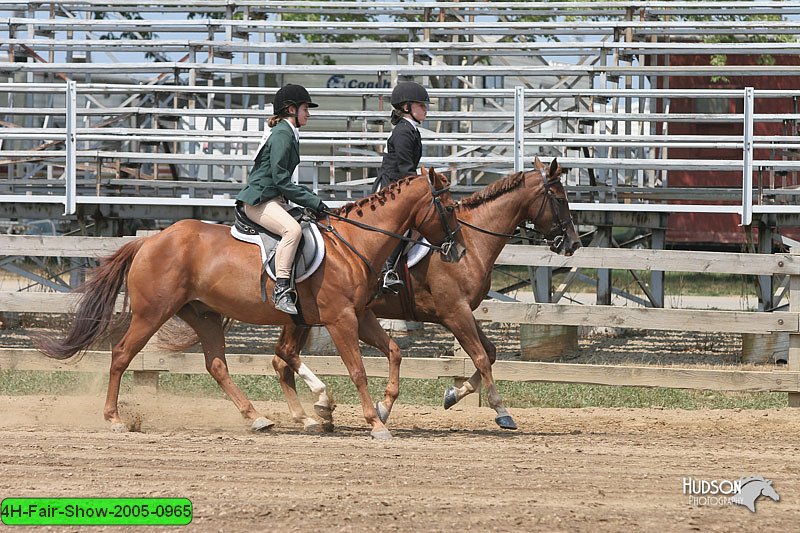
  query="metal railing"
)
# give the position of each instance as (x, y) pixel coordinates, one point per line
(511, 145)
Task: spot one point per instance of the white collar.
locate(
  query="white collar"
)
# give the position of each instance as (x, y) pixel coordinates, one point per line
(294, 129)
(412, 122)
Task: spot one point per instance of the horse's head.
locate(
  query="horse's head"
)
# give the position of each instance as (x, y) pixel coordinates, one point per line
(438, 223)
(550, 215)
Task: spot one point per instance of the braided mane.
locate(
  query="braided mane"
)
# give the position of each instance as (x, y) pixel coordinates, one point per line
(495, 190)
(377, 198)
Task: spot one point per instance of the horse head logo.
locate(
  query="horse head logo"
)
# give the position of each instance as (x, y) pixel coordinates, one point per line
(751, 489)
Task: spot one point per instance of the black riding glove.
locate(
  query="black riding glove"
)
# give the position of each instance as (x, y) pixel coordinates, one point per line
(321, 208)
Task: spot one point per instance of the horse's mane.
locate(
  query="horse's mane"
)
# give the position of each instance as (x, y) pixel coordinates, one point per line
(496, 189)
(377, 198)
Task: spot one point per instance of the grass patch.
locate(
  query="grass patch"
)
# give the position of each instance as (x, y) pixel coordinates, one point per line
(675, 283)
(412, 391)
(22, 382)
(570, 395)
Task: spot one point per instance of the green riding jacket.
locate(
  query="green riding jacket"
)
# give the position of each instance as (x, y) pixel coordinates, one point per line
(271, 175)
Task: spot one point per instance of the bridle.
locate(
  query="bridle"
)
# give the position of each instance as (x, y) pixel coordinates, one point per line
(449, 248)
(550, 199)
(557, 243)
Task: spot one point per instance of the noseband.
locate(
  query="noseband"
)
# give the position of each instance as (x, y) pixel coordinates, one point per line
(558, 241)
(446, 248)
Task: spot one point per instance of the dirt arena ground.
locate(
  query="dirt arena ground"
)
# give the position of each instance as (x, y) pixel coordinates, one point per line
(563, 470)
(584, 470)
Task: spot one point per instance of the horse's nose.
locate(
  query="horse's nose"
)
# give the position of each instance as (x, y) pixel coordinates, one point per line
(574, 245)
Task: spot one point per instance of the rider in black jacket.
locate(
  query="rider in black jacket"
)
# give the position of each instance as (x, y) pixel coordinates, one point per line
(403, 152)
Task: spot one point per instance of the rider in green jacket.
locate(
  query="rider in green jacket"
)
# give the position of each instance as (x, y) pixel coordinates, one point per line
(270, 186)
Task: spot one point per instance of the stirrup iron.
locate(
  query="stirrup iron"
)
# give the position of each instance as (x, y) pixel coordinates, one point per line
(285, 300)
(391, 282)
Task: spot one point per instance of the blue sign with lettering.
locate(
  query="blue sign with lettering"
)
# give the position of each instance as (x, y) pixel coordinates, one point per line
(338, 81)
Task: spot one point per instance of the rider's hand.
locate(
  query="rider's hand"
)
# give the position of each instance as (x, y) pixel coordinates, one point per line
(321, 208)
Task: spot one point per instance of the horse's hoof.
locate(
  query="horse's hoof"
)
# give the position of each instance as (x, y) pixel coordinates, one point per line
(383, 413)
(381, 434)
(261, 424)
(324, 412)
(506, 422)
(312, 427)
(119, 427)
(450, 398)
(327, 427)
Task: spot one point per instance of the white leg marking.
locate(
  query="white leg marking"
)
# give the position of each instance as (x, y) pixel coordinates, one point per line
(313, 382)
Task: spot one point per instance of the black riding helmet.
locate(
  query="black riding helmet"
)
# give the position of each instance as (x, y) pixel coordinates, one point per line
(291, 94)
(408, 91)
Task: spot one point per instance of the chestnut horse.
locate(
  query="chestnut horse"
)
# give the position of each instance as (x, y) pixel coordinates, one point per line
(447, 294)
(200, 273)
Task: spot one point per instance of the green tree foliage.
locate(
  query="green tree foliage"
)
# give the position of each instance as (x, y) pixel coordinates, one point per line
(578, 14)
(133, 35)
(322, 37)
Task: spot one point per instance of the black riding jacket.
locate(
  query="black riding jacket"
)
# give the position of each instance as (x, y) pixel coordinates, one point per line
(403, 152)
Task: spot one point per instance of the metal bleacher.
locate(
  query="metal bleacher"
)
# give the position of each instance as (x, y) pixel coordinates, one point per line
(149, 113)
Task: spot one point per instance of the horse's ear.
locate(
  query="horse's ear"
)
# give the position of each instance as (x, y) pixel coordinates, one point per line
(553, 168)
(436, 179)
(537, 163)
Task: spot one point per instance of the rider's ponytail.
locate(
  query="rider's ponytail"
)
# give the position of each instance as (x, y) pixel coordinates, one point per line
(273, 120)
(397, 116)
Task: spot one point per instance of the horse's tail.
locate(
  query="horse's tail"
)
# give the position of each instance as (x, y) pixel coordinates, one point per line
(95, 308)
(177, 336)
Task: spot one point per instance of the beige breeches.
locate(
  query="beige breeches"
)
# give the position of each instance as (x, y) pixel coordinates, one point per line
(273, 216)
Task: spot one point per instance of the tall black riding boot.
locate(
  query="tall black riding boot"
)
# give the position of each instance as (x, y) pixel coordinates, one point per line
(391, 281)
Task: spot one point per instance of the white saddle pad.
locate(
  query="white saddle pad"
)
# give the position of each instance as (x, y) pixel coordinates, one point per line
(311, 258)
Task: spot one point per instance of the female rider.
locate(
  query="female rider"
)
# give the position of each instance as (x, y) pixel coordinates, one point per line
(270, 186)
(403, 152)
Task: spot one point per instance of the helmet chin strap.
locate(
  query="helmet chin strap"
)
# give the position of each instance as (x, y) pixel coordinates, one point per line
(407, 110)
(296, 116)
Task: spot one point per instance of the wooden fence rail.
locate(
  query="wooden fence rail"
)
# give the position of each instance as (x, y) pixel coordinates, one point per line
(784, 380)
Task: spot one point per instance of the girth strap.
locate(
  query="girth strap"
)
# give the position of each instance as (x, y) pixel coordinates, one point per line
(407, 301)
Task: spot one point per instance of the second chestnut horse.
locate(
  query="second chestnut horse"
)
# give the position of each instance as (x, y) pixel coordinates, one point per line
(447, 293)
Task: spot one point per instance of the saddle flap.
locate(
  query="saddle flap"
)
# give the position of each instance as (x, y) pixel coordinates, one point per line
(306, 251)
(310, 251)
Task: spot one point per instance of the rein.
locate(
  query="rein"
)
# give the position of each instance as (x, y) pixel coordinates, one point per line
(367, 227)
(435, 202)
(562, 225)
(353, 249)
(505, 235)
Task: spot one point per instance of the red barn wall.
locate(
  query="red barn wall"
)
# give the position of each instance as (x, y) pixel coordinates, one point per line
(702, 229)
